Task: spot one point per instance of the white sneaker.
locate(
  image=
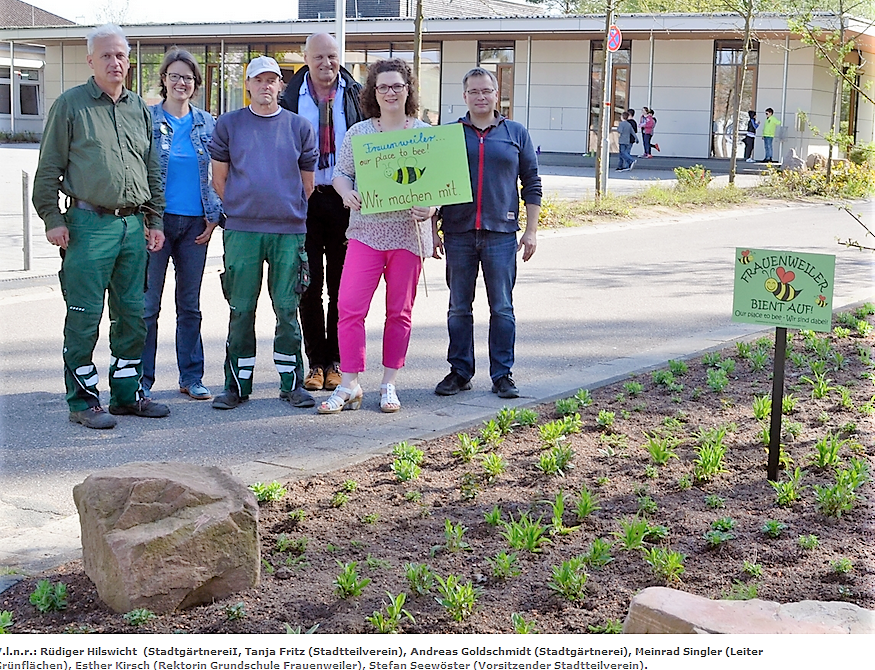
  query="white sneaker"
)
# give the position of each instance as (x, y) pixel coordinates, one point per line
(749, 160)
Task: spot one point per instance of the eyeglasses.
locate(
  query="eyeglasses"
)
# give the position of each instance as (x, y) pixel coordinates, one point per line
(175, 78)
(383, 89)
(476, 93)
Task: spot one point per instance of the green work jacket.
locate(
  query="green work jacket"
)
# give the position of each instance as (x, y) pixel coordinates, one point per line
(99, 151)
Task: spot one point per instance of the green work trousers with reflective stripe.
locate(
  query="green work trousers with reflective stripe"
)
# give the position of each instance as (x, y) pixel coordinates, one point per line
(245, 255)
(105, 254)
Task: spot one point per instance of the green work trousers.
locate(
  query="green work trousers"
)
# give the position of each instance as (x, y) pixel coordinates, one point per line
(105, 254)
(245, 255)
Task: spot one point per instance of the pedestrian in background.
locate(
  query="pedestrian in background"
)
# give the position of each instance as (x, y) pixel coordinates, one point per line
(264, 159)
(483, 233)
(327, 96)
(750, 135)
(97, 150)
(648, 124)
(626, 140)
(770, 125)
(181, 133)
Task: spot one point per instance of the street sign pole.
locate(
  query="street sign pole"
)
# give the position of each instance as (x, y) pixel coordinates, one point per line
(607, 114)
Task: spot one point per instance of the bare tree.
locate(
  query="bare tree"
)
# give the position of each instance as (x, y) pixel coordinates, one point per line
(113, 11)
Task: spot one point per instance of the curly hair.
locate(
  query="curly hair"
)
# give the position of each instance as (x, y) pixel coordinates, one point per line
(368, 96)
(172, 56)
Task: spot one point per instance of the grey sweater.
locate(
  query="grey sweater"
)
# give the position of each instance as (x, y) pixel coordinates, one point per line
(264, 192)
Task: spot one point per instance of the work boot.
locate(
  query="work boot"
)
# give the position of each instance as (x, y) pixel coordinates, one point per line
(505, 387)
(452, 384)
(144, 407)
(298, 397)
(229, 399)
(93, 417)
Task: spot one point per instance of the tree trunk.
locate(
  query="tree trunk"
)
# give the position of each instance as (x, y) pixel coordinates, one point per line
(417, 44)
(601, 188)
(748, 20)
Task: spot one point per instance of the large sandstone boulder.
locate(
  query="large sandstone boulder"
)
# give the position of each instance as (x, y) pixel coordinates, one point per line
(167, 535)
(662, 610)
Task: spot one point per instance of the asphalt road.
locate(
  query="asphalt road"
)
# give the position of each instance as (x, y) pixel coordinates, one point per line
(593, 304)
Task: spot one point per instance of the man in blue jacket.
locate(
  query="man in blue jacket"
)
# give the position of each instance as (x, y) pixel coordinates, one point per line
(483, 233)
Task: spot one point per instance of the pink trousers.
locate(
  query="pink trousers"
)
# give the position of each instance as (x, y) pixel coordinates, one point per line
(362, 270)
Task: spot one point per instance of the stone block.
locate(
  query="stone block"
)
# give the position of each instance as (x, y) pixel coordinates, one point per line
(167, 536)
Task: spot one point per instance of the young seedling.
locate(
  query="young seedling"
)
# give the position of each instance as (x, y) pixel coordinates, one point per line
(587, 503)
(717, 380)
(349, 486)
(453, 534)
(741, 591)
(758, 360)
(713, 501)
(633, 389)
(48, 597)
(457, 598)
(584, 397)
(339, 499)
(743, 350)
(494, 465)
(788, 492)
(841, 566)
(661, 448)
(715, 538)
(820, 385)
(268, 492)
(610, 627)
(6, 621)
(504, 565)
(290, 545)
(711, 359)
(370, 518)
(834, 500)
(299, 630)
(569, 579)
(348, 583)
(552, 433)
(521, 626)
(405, 470)
(297, 516)
(525, 533)
(469, 447)
(556, 461)
(566, 406)
(526, 417)
(725, 523)
(506, 419)
(235, 612)
(762, 407)
(841, 333)
(469, 486)
(678, 368)
(408, 452)
(413, 496)
(605, 419)
(391, 620)
(727, 365)
(666, 564)
(598, 554)
(138, 617)
(773, 528)
(808, 542)
(493, 516)
(685, 482)
(647, 505)
(827, 450)
(632, 533)
(752, 568)
(491, 434)
(420, 577)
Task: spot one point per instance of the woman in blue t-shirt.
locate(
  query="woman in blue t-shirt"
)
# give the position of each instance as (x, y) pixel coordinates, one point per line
(181, 132)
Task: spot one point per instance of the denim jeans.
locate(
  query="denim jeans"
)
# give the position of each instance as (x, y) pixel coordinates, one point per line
(496, 254)
(625, 156)
(767, 142)
(189, 260)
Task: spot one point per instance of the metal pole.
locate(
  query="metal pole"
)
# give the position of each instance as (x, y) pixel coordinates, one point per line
(139, 70)
(650, 73)
(529, 83)
(25, 217)
(222, 78)
(784, 97)
(340, 28)
(607, 116)
(777, 403)
(15, 90)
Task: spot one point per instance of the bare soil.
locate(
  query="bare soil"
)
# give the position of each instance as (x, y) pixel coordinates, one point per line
(388, 523)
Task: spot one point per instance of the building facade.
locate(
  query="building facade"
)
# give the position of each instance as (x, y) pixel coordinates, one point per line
(687, 67)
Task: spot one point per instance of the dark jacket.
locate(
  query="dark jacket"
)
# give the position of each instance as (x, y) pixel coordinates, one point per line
(499, 157)
(351, 107)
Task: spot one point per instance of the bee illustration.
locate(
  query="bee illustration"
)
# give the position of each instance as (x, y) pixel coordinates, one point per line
(821, 301)
(780, 287)
(745, 257)
(406, 174)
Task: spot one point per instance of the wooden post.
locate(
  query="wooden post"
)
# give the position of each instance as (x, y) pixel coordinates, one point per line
(25, 216)
(777, 403)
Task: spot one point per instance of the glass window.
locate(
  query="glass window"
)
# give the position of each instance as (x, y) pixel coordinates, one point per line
(620, 70)
(29, 75)
(728, 80)
(498, 58)
(29, 99)
(5, 72)
(5, 99)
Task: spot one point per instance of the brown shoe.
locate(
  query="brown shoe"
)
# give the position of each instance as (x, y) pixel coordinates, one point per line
(314, 379)
(332, 377)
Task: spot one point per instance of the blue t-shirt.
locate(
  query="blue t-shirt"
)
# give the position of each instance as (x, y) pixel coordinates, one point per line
(183, 188)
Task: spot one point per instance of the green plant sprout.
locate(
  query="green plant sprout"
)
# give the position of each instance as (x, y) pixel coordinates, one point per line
(139, 616)
(457, 598)
(48, 597)
(666, 564)
(773, 528)
(569, 579)
(469, 447)
(405, 470)
(408, 452)
(348, 583)
(521, 626)
(504, 565)
(391, 621)
(268, 492)
(420, 577)
(453, 536)
(525, 533)
(598, 554)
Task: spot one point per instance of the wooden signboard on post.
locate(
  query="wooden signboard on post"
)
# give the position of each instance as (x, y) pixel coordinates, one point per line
(785, 289)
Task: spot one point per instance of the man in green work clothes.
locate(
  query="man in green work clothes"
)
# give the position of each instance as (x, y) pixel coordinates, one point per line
(97, 150)
(264, 161)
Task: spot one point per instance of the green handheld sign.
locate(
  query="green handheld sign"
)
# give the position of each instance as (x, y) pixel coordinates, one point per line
(785, 289)
(420, 167)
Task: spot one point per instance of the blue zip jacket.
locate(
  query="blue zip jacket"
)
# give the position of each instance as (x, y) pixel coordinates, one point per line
(499, 158)
(201, 134)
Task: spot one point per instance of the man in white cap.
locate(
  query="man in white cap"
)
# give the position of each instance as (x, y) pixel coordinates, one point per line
(264, 161)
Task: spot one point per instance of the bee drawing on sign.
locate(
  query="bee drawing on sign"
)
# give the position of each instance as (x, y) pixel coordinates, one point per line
(821, 301)
(746, 257)
(406, 172)
(781, 287)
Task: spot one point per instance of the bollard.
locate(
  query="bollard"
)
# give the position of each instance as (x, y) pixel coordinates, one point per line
(25, 202)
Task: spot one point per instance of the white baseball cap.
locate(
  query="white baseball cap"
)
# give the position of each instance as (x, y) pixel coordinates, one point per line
(262, 64)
